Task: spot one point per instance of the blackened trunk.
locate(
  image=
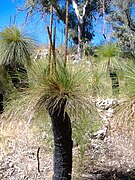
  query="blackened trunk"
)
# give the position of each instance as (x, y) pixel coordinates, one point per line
(18, 81)
(1, 104)
(115, 82)
(62, 131)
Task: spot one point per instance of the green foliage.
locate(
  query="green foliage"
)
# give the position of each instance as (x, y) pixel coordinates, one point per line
(83, 130)
(122, 19)
(130, 79)
(96, 80)
(125, 113)
(42, 128)
(92, 8)
(15, 47)
(88, 50)
(109, 56)
(6, 86)
(49, 90)
(110, 64)
(108, 51)
(99, 84)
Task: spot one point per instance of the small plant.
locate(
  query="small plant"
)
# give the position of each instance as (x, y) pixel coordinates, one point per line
(82, 132)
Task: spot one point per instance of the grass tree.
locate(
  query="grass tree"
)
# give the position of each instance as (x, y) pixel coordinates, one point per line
(16, 49)
(110, 61)
(62, 94)
(1, 98)
(5, 87)
(125, 116)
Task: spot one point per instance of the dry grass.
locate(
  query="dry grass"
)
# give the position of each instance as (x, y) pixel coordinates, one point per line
(28, 128)
(124, 119)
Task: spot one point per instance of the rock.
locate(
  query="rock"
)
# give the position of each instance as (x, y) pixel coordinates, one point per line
(100, 134)
(106, 103)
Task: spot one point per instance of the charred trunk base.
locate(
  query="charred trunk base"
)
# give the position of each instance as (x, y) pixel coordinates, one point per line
(1, 104)
(18, 76)
(62, 145)
(115, 82)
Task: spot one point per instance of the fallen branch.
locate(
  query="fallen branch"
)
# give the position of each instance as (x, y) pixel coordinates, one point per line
(38, 159)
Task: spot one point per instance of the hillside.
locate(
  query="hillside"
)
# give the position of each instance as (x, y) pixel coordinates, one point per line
(109, 153)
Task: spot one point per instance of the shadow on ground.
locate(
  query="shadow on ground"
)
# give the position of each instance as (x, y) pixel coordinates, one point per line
(110, 175)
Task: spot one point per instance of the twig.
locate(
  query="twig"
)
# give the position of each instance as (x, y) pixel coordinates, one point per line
(38, 159)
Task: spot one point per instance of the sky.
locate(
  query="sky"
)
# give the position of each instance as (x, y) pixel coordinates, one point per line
(34, 27)
(8, 10)
(9, 14)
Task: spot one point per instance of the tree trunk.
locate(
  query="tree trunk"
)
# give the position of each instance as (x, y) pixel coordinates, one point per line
(18, 81)
(62, 132)
(81, 23)
(80, 41)
(66, 30)
(115, 82)
(1, 104)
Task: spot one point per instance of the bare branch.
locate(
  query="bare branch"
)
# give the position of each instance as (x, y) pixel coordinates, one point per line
(85, 6)
(75, 6)
(38, 159)
(129, 19)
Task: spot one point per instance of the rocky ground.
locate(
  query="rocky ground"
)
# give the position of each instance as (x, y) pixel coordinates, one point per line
(110, 154)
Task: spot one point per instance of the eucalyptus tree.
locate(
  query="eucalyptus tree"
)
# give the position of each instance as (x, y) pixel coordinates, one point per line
(122, 19)
(85, 11)
(81, 15)
(15, 54)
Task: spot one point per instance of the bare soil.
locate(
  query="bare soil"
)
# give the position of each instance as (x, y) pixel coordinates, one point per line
(109, 158)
